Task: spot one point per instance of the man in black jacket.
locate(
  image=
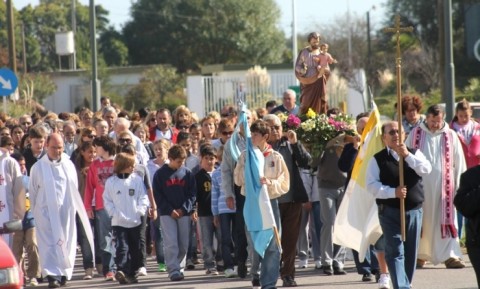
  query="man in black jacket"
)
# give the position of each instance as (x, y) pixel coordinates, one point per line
(467, 201)
(290, 204)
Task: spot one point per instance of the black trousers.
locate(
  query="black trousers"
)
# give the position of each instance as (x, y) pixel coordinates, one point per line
(240, 238)
(129, 257)
(474, 255)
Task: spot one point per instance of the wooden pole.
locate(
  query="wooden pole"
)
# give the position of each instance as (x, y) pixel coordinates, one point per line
(397, 30)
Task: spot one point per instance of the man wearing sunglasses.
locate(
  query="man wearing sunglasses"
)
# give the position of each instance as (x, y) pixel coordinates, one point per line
(383, 183)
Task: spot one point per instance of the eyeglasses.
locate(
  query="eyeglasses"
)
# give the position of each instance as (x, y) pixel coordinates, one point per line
(275, 127)
(227, 133)
(92, 136)
(124, 140)
(393, 132)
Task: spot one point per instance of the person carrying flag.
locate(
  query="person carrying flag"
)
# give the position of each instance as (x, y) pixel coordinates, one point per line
(263, 175)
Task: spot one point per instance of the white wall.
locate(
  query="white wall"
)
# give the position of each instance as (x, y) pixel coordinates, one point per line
(73, 87)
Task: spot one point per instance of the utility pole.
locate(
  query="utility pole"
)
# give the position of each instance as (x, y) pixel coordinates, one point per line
(24, 50)
(11, 37)
(74, 30)
(294, 38)
(449, 87)
(294, 35)
(93, 45)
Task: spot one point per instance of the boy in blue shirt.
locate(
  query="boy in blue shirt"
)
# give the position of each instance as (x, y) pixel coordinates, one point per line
(174, 190)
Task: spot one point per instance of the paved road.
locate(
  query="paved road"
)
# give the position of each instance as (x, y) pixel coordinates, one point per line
(431, 277)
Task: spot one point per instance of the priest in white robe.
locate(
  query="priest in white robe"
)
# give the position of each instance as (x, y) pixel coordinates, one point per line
(12, 192)
(441, 146)
(55, 200)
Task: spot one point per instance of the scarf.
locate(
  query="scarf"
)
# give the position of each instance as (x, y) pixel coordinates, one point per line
(447, 223)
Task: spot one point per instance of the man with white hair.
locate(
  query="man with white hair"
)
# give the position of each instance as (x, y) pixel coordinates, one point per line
(69, 130)
(109, 114)
(122, 124)
(288, 103)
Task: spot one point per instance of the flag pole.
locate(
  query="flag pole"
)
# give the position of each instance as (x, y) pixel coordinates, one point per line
(277, 239)
(397, 30)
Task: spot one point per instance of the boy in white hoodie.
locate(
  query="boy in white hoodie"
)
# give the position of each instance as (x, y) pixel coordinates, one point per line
(126, 201)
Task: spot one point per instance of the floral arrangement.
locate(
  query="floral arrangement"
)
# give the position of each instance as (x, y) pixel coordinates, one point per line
(289, 121)
(316, 130)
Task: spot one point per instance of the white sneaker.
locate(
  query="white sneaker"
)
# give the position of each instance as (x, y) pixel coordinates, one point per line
(303, 264)
(142, 271)
(230, 273)
(384, 281)
(318, 264)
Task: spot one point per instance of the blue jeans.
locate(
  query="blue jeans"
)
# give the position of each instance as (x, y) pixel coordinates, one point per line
(401, 257)
(207, 232)
(316, 229)
(270, 263)
(460, 224)
(103, 226)
(369, 264)
(87, 254)
(158, 238)
(227, 227)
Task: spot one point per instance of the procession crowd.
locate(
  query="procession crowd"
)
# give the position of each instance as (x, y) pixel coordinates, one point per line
(122, 187)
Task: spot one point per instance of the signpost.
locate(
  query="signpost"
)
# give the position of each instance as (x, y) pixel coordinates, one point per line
(8, 85)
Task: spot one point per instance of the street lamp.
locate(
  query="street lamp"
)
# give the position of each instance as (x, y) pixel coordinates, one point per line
(369, 55)
(93, 47)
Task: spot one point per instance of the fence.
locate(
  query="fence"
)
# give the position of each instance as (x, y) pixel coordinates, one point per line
(209, 93)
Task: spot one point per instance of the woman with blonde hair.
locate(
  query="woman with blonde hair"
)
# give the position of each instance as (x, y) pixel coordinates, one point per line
(150, 120)
(182, 116)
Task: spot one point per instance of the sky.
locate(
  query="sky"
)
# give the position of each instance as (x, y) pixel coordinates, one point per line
(308, 12)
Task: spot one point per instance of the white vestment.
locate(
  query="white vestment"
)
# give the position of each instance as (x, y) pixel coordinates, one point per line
(55, 200)
(12, 192)
(433, 247)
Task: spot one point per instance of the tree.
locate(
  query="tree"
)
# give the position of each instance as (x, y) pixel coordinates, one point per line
(36, 86)
(51, 16)
(112, 48)
(159, 86)
(191, 33)
(426, 17)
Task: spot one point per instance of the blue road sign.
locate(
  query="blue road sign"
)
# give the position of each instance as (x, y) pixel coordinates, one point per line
(8, 82)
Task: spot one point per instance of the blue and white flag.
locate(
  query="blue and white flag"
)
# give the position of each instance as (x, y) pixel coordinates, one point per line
(257, 211)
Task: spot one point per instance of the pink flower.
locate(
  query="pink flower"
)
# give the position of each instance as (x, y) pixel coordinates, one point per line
(293, 121)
